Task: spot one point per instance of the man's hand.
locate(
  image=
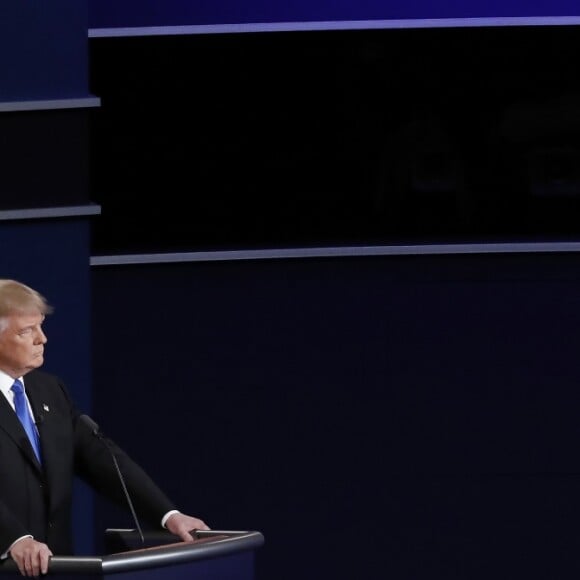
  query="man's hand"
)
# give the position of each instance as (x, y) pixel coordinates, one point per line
(31, 557)
(181, 525)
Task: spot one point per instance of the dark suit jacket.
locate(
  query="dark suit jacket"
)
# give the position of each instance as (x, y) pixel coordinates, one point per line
(37, 500)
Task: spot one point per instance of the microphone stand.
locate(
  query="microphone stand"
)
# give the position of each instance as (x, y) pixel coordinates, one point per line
(97, 433)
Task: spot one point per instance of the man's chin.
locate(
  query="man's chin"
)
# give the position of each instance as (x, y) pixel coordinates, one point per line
(37, 362)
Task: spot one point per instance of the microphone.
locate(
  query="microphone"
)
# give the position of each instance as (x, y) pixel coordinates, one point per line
(95, 430)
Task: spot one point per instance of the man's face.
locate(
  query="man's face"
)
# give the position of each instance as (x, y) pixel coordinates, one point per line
(22, 344)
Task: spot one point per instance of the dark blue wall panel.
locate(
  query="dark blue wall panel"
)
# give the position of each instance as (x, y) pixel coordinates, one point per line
(392, 417)
(112, 13)
(43, 49)
(52, 256)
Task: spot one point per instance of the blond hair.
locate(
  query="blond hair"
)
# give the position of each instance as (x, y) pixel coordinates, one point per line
(18, 298)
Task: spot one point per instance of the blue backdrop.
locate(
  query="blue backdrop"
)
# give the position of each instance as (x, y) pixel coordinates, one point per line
(412, 418)
(52, 256)
(43, 49)
(112, 13)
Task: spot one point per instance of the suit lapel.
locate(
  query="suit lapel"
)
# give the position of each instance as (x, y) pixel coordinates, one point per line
(11, 425)
(50, 429)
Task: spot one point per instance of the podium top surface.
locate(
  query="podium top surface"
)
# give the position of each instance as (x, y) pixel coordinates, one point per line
(157, 551)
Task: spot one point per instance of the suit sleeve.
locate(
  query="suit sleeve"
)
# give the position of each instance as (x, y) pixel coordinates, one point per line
(95, 465)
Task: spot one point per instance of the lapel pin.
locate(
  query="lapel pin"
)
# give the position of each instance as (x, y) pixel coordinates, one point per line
(45, 407)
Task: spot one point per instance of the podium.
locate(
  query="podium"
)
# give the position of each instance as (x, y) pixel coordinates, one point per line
(214, 555)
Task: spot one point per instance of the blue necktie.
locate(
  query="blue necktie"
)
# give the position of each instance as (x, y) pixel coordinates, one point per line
(21, 407)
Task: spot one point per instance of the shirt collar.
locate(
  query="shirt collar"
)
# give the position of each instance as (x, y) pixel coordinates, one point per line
(6, 382)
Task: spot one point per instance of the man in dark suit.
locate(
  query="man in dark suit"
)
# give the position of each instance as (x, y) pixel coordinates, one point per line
(36, 491)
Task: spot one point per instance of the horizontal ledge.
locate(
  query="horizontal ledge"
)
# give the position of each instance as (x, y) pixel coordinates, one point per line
(332, 25)
(50, 212)
(50, 104)
(341, 252)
